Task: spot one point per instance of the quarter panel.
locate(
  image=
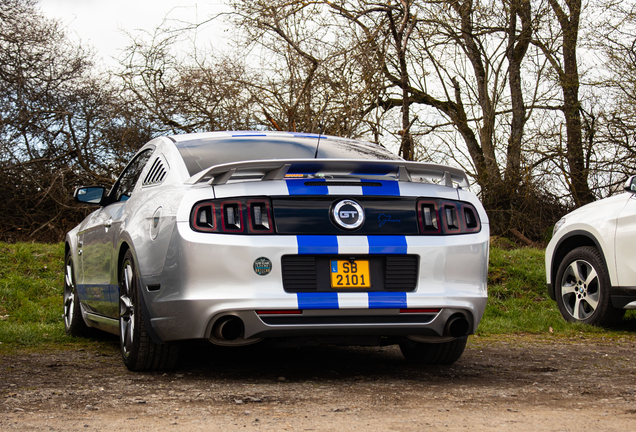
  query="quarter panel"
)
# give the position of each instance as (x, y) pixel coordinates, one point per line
(151, 226)
(625, 241)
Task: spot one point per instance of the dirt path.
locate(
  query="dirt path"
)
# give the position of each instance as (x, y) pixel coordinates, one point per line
(523, 382)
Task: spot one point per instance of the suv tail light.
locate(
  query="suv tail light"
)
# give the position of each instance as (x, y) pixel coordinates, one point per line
(221, 216)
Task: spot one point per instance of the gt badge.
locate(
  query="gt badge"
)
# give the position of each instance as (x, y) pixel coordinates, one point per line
(348, 214)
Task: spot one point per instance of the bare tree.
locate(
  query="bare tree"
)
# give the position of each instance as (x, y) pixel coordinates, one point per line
(59, 125)
(474, 84)
(609, 124)
(314, 76)
(461, 65)
(563, 59)
(518, 40)
(180, 93)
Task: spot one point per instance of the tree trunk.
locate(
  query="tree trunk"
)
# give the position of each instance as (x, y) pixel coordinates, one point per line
(516, 53)
(569, 78)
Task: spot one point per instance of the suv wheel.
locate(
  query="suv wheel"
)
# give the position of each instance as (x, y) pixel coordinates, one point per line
(582, 289)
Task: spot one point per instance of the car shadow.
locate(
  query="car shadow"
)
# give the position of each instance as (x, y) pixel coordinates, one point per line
(296, 363)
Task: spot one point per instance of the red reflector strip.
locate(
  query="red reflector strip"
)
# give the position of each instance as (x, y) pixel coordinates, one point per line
(279, 312)
(419, 310)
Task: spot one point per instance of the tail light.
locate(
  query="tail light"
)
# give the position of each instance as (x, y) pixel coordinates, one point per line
(451, 219)
(204, 217)
(471, 220)
(232, 217)
(437, 217)
(238, 216)
(255, 216)
(429, 218)
(260, 216)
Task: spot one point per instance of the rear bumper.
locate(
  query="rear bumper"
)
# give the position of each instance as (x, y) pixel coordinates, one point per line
(210, 276)
(320, 322)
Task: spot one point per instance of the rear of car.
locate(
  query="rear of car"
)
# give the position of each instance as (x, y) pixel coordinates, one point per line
(302, 239)
(327, 250)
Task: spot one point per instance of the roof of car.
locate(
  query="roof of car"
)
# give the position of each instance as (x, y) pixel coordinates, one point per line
(203, 150)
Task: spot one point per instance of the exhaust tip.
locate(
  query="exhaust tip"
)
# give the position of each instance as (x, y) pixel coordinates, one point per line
(457, 326)
(229, 328)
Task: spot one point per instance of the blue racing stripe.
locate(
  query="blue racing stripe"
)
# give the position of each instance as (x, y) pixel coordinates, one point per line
(317, 244)
(247, 134)
(387, 244)
(309, 135)
(98, 292)
(388, 188)
(321, 300)
(297, 187)
(387, 300)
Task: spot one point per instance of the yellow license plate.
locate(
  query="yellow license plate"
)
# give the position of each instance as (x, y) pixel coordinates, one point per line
(350, 274)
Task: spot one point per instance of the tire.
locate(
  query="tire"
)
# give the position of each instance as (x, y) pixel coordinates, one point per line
(582, 288)
(139, 352)
(444, 353)
(73, 322)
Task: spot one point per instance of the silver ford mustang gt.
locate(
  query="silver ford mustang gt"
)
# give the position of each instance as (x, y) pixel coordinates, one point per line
(236, 237)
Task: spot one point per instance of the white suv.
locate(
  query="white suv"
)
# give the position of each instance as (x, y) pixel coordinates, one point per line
(590, 265)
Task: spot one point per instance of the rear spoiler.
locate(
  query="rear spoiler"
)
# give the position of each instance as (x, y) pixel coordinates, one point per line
(279, 169)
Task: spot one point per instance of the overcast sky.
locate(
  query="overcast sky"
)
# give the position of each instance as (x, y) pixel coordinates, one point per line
(100, 23)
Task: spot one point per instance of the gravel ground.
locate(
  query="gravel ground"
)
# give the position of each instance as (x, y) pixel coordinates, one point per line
(524, 382)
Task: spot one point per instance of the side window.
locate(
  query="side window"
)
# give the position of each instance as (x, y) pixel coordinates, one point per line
(128, 179)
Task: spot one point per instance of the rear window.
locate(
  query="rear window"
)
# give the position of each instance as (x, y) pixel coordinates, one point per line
(199, 154)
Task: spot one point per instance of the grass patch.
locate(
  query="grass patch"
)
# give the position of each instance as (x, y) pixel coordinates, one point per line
(31, 289)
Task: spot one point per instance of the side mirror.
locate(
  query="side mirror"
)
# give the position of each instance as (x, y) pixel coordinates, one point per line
(630, 184)
(89, 195)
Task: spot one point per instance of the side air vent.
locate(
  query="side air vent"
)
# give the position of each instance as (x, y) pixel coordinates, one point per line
(157, 173)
